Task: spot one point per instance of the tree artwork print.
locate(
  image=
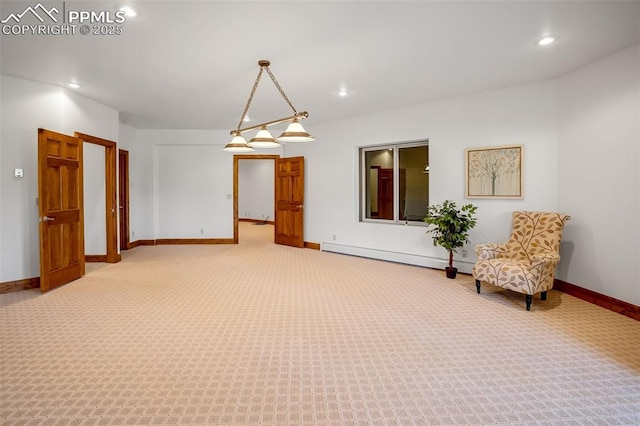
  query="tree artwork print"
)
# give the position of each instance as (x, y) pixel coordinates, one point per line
(494, 172)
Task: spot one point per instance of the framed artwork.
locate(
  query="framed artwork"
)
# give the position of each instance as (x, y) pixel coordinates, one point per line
(494, 172)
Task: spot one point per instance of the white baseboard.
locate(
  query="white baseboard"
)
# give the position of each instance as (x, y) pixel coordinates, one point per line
(391, 256)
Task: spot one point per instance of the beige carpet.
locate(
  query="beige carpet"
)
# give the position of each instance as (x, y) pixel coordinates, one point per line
(264, 334)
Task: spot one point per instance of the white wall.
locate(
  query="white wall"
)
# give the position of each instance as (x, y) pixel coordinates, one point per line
(95, 233)
(599, 178)
(26, 106)
(256, 189)
(197, 155)
(80, 114)
(193, 198)
(520, 115)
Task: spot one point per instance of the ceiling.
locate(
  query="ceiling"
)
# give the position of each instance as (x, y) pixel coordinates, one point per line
(191, 64)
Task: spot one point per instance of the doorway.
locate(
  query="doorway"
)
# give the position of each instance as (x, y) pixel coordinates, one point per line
(112, 255)
(246, 211)
(288, 199)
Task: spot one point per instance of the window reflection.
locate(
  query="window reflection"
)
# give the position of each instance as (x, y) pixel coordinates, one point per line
(384, 175)
(379, 164)
(414, 182)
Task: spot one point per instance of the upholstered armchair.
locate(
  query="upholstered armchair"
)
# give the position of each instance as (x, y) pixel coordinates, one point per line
(527, 262)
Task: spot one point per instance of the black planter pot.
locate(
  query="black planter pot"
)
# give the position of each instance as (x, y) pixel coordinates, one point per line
(451, 272)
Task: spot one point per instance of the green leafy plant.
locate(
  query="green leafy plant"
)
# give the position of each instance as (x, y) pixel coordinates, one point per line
(450, 226)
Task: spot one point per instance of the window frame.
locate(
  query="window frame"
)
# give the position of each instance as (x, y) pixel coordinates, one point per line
(362, 205)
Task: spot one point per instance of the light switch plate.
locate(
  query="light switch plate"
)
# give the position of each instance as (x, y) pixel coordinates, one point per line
(19, 173)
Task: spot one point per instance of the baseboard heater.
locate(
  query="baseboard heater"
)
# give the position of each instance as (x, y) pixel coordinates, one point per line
(393, 256)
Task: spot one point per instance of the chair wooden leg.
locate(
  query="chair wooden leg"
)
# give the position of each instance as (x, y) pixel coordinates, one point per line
(478, 286)
(528, 299)
(543, 295)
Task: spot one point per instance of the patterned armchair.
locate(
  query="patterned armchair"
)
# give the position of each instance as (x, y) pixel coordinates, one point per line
(527, 262)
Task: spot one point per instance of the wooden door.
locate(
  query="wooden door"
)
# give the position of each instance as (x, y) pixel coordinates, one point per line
(385, 193)
(123, 195)
(289, 201)
(60, 195)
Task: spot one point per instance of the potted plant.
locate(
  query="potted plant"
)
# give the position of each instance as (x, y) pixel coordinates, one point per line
(450, 228)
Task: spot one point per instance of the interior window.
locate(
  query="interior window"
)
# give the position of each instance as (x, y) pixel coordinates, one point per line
(395, 182)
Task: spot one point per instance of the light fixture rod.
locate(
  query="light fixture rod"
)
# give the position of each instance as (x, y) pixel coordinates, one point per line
(298, 115)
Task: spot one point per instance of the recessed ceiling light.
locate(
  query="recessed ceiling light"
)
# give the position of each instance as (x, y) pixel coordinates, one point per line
(343, 93)
(74, 85)
(128, 11)
(246, 118)
(546, 40)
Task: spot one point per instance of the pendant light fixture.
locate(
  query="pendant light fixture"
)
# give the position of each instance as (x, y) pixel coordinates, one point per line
(264, 139)
(295, 133)
(238, 144)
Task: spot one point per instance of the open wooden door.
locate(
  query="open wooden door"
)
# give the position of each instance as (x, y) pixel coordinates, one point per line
(289, 201)
(60, 192)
